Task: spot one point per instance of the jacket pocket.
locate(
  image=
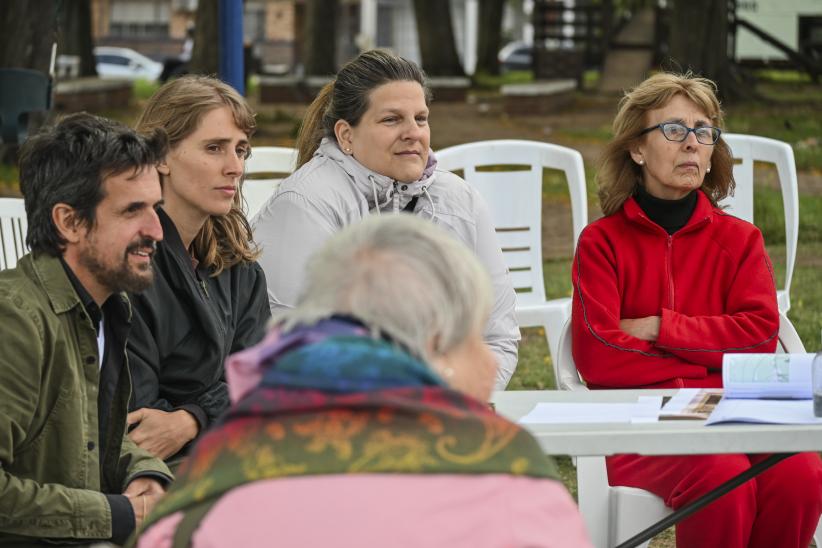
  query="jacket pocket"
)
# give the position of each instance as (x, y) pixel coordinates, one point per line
(56, 452)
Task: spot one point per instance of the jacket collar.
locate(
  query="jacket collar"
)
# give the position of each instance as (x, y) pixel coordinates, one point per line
(702, 215)
(92, 309)
(368, 182)
(174, 244)
(55, 282)
(59, 289)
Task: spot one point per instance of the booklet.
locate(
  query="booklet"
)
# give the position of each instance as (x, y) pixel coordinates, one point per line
(778, 376)
(764, 411)
(691, 404)
(760, 388)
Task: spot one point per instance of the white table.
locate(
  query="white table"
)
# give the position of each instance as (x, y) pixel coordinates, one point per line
(591, 442)
(678, 437)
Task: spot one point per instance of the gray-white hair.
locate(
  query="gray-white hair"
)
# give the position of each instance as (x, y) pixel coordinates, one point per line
(401, 276)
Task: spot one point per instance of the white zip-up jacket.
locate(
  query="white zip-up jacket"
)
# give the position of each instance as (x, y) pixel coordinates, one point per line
(333, 190)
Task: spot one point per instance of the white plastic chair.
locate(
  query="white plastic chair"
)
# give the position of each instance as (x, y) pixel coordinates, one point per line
(614, 514)
(746, 150)
(13, 226)
(266, 167)
(514, 196)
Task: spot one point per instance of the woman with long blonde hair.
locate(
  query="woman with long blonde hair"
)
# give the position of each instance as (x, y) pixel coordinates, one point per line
(208, 298)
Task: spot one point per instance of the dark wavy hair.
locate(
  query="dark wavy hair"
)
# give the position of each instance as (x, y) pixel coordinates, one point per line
(69, 162)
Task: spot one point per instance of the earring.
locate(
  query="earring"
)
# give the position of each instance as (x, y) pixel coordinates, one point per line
(347, 150)
(708, 170)
(641, 162)
(447, 372)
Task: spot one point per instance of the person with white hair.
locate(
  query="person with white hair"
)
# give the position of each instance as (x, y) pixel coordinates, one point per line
(366, 411)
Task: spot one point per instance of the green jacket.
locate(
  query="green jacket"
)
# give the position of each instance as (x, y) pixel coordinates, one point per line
(52, 472)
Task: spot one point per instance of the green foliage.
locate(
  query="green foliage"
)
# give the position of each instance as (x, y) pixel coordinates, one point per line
(797, 124)
(534, 370)
(782, 76)
(8, 180)
(555, 187)
(769, 216)
(143, 89)
(482, 80)
(590, 79)
(806, 293)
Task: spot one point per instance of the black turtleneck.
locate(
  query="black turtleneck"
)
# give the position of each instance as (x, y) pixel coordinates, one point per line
(669, 214)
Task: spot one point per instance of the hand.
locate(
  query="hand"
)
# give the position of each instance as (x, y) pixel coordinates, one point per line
(162, 433)
(646, 328)
(143, 494)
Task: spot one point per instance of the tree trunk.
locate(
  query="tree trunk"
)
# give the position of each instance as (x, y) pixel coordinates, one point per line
(205, 53)
(436, 38)
(26, 33)
(490, 35)
(319, 38)
(703, 48)
(75, 34)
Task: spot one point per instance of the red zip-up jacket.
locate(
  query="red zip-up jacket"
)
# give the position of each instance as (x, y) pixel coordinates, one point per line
(711, 282)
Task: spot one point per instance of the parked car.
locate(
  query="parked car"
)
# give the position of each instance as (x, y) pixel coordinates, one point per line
(516, 56)
(125, 63)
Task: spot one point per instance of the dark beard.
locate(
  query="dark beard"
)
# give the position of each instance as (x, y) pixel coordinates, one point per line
(123, 277)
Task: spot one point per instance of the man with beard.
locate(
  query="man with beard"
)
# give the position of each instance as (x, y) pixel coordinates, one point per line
(67, 470)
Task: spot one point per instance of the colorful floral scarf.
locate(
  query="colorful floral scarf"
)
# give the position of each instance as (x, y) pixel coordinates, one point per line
(345, 403)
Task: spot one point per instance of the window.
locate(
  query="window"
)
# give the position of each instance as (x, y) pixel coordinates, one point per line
(112, 59)
(139, 19)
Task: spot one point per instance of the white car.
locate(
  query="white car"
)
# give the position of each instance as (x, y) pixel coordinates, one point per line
(125, 64)
(516, 56)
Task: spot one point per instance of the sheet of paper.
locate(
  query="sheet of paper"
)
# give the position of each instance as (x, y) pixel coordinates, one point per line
(646, 409)
(764, 411)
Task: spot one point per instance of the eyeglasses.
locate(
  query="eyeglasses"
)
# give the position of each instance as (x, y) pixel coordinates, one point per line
(705, 135)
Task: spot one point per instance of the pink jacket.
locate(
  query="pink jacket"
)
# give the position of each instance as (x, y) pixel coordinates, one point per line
(387, 510)
(361, 510)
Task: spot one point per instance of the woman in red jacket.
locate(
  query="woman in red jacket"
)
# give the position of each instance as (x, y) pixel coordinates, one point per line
(664, 285)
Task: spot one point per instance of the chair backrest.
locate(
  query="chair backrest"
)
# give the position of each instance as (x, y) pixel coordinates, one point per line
(565, 370)
(22, 92)
(509, 174)
(266, 167)
(746, 150)
(13, 226)
(789, 341)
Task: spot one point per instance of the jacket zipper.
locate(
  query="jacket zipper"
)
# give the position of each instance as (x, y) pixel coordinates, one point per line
(669, 258)
(670, 269)
(205, 289)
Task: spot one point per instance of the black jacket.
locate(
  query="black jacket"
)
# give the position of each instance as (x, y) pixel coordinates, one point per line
(184, 327)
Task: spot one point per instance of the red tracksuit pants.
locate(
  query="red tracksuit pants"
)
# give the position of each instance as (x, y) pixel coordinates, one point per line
(779, 508)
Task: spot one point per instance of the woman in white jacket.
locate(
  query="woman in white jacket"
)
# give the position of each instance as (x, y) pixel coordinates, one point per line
(363, 150)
